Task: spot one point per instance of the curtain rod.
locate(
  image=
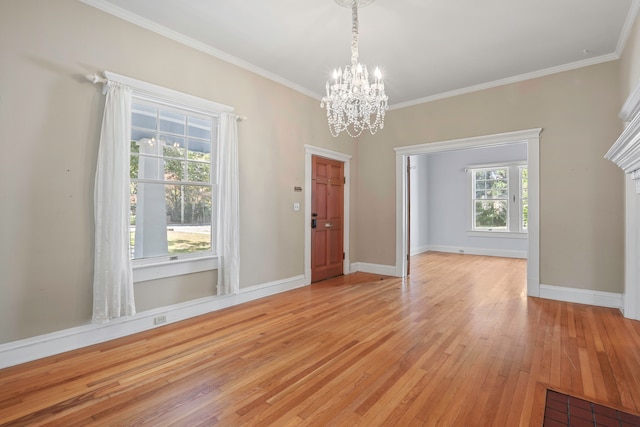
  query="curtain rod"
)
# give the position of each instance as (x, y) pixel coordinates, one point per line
(96, 79)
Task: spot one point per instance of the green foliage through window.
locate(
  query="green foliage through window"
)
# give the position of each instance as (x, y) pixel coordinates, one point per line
(500, 198)
(491, 188)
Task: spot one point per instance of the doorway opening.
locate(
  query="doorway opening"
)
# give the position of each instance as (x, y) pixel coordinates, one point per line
(530, 137)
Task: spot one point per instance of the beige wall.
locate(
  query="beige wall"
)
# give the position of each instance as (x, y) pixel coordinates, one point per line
(49, 126)
(581, 194)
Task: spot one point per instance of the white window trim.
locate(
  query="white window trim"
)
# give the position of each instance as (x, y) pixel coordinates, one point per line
(513, 188)
(159, 268)
(498, 233)
(172, 265)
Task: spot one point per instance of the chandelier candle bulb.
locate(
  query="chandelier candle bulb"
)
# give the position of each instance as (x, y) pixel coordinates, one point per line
(354, 103)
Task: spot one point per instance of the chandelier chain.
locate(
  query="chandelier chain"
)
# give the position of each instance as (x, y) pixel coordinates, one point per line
(354, 33)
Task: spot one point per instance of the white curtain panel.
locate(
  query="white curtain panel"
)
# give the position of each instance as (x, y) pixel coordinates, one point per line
(112, 278)
(228, 239)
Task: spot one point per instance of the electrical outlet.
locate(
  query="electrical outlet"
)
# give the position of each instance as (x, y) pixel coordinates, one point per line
(159, 320)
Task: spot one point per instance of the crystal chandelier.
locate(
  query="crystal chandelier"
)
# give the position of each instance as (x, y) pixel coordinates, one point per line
(353, 102)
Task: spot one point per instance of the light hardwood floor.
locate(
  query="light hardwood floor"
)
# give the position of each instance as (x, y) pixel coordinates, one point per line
(457, 344)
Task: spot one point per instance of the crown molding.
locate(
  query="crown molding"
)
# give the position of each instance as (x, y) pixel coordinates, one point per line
(627, 27)
(147, 24)
(195, 44)
(509, 80)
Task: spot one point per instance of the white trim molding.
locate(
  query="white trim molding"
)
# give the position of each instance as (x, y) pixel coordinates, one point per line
(625, 153)
(510, 80)
(309, 151)
(26, 350)
(531, 137)
(365, 267)
(581, 296)
(147, 24)
(418, 250)
(504, 253)
(160, 94)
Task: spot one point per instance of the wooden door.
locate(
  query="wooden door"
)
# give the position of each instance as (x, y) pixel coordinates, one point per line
(327, 218)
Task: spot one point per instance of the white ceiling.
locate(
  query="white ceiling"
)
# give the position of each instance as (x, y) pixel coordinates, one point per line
(426, 49)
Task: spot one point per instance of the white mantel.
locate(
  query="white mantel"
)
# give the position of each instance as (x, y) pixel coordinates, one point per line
(625, 153)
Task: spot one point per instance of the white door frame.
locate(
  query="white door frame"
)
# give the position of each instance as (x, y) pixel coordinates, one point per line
(309, 151)
(531, 137)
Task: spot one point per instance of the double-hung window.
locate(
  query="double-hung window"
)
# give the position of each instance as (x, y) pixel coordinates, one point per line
(173, 170)
(499, 198)
(174, 146)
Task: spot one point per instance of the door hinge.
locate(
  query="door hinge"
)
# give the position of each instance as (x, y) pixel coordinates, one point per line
(345, 179)
(343, 255)
(407, 257)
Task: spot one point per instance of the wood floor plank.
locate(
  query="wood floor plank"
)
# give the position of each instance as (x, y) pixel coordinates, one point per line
(456, 343)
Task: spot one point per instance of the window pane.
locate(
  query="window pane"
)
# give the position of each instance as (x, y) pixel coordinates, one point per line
(525, 214)
(173, 146)
(500, 194)
(144, 167)
(143, 116)
(499, 174)
(172, 122)
(189, 239)
(199, 150)
(480, 185)
(148, 228)
(189, 216)
(198, 172)
(199, 128)
(174, 170)
(140, 134)
(479, 175)
(195, 206)
(480, 194)
(146, 145)
(169, 219)
(491, 214)
(133, 167)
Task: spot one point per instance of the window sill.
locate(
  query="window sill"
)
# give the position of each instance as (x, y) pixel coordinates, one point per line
(498, 234)
(143, 272)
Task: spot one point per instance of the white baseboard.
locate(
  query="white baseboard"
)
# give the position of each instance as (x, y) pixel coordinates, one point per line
(581, 296)
(418, 250)
(365, 267)
(17, 352)
(479, 251)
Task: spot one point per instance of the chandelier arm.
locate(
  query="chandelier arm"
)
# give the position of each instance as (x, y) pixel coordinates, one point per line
(354, 32)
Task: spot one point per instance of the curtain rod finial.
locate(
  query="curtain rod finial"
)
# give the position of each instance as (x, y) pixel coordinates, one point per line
(94, 78)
